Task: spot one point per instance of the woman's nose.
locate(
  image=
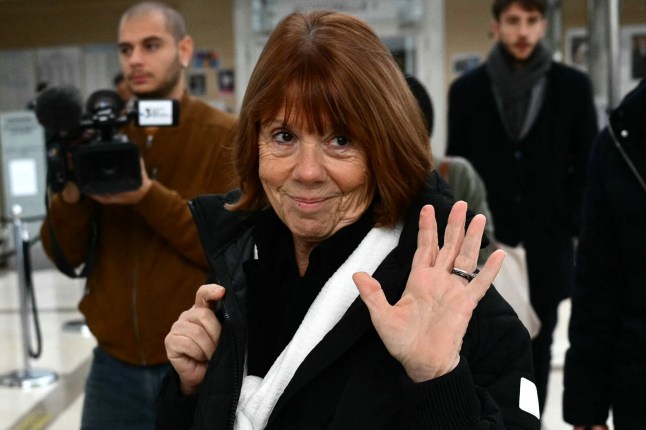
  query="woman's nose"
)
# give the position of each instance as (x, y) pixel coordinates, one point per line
(309, 162)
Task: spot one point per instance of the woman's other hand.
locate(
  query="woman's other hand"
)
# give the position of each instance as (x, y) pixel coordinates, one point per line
(194, 337)
(424, 329)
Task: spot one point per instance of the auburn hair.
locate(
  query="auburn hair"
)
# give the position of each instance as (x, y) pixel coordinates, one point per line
(325, 69)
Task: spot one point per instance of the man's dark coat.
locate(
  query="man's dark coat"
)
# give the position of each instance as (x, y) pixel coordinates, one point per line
(534, 186)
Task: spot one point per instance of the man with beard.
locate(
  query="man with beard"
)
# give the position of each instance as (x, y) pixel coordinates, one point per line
(526, 123)
(148, 259)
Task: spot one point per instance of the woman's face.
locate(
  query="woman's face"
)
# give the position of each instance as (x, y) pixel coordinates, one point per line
(317, 184)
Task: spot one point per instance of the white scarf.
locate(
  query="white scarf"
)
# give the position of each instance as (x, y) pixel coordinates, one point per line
(259, 395)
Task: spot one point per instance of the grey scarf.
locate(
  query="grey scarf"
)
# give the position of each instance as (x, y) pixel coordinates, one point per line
(518, 87)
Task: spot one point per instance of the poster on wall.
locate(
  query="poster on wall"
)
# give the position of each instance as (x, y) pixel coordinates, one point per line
(197, 84)
(632, 57)
(59, 65)
(576, 48)
(100, 66)
(86, 67)
(266, 14)
(206, 59)
(226, 81)
(17, 79)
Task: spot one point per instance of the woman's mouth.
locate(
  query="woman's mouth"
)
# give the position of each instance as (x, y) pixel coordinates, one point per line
(309, 203)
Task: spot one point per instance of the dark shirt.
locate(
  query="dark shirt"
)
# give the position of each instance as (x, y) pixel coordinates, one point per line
(278, 297)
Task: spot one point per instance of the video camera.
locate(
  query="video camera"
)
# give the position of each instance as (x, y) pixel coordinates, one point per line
(88, 148)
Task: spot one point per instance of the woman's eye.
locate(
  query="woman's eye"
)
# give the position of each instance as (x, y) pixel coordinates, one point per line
(340, 140)
(283, 137)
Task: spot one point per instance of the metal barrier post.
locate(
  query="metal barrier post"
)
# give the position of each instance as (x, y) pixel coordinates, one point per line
(26, 377)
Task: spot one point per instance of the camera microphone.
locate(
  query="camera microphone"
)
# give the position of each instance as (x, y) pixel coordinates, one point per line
(59, 108)
(89, 147)
(104, 99)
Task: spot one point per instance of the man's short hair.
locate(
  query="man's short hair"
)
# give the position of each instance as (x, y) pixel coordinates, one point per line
(500, 5)
(174, 20)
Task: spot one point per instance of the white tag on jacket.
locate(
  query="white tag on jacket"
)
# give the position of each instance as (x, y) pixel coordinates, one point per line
(528, 399)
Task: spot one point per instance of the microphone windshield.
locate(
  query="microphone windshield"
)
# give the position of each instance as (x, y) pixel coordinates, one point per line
(59, 108)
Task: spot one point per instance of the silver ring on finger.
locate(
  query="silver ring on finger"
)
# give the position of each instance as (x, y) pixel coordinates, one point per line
(464, 274)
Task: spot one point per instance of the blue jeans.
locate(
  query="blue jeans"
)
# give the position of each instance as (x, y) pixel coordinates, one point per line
(119, 395)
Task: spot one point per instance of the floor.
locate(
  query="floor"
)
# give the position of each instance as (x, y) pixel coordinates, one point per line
(66, 349)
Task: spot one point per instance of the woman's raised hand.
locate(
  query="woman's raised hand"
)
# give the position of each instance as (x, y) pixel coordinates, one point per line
(424, 329)
(193, 338)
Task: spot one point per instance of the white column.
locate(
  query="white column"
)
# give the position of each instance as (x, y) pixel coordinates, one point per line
(245, 47)
(603, 31)
(431, 66)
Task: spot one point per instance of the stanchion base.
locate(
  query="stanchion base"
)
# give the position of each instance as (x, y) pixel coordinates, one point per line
(28, 378)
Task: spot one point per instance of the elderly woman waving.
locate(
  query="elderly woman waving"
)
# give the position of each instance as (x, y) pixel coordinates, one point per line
(343, 294)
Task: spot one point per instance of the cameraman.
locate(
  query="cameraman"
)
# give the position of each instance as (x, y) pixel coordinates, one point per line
(148, 258)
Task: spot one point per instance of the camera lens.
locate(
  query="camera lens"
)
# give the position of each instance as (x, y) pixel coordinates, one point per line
(109, 166)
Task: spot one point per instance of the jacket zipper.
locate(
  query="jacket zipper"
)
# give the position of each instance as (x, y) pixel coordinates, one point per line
(133, 299)
(227, 320)
(236, 389)
(135, 277)
(625, 156)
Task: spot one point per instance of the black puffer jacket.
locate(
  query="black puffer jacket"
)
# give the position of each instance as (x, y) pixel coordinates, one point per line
(606, 363)
(349, 378)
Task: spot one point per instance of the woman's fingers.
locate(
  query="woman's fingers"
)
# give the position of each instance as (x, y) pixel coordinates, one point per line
(194, 337)
(371, 293)
(204, 328)
(195, 334)
(459, 250)
(467, 258)
(207, 294)
(453, 236)
(197, 331)
(485, 278)
(427, 243)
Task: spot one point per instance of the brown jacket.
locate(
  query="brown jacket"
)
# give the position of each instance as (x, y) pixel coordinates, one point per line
(149, 261)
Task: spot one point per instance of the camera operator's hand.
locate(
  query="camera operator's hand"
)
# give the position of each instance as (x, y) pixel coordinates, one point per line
(127, 197)
(71, 193)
